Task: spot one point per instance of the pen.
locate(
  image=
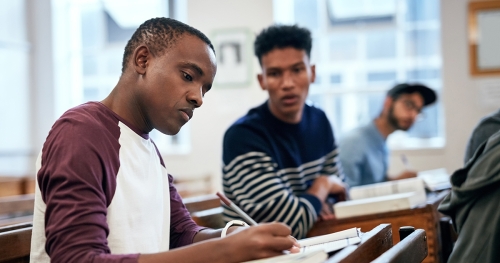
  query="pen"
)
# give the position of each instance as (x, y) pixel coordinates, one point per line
(236, 209)
(405, 161)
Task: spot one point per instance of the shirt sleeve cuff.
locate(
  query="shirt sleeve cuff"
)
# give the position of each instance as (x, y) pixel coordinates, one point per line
(315, 202)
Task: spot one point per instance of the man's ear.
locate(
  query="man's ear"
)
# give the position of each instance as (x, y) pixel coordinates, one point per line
(141, 59)
(387, 104)
(260, 77)
(313, 73)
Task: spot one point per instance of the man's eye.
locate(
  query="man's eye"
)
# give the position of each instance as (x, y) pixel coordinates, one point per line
(187, 76)
(273, 74)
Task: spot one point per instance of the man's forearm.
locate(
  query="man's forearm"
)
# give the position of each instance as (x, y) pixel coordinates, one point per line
(206, 234)
(207, 252)
(320, 188)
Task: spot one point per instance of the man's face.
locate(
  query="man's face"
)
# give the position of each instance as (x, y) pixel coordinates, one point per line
(174, 83)
(286, 75)
(404, 111)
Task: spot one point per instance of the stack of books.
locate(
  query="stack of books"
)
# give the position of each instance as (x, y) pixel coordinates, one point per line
(382, 197)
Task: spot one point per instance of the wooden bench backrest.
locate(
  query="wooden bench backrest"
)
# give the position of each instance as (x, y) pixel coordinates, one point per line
(202, 202)
(373, 244)
(412, 249)
(15, 243)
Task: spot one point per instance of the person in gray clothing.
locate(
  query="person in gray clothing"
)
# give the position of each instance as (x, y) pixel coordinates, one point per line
(483, 130)
(473, 205)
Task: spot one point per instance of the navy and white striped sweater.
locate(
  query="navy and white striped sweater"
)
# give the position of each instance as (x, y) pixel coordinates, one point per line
(269, 165)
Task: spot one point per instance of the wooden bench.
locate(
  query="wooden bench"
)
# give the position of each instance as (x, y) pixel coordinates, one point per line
(206, 210)
(373, 244)
(16, 209)
(411, 249)
(376, 246)
(15, 243)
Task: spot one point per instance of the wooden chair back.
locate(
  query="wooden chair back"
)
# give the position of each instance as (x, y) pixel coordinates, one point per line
(201, 202)
(206, 210)
(15, 243)
(16, 209)
(373, 244)
(412, 249)
(211, 218)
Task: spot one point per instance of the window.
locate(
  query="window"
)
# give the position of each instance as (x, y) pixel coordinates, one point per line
(90, 36)
(15, 122)
(361, 49)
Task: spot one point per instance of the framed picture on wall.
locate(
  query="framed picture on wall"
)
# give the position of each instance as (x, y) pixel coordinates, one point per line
(484, 38)
(233, 52)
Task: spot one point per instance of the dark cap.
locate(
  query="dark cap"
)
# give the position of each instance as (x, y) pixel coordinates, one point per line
(406, 88)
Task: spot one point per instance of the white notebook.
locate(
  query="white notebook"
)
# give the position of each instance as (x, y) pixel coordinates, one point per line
(435, 180)
(374, 205)
(315, 249)
(316, 256)
(331, 242)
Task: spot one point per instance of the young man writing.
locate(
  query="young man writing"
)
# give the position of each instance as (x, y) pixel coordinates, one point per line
(103, 193)
(280, 159)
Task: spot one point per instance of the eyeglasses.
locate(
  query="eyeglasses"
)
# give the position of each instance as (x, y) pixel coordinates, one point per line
(410, 105)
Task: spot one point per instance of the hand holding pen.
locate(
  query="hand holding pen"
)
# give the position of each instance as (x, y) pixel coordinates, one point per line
(236, 209)
(296, 246)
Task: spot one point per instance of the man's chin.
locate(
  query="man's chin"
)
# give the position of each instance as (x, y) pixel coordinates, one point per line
(404, 127)
(170, 130)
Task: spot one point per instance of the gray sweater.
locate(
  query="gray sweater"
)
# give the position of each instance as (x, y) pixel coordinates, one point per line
(474, 205)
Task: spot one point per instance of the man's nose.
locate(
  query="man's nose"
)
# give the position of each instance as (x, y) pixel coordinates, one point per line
(195, 97)
(288, 81)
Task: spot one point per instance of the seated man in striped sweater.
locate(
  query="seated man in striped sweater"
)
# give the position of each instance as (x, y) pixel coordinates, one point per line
(280, 159)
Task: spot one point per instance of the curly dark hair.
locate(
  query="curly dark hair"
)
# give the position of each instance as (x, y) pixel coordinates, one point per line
(281, 36)
(159, 34)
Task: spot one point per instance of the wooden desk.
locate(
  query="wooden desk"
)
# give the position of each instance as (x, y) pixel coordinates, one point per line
(16, 209)
(425, 217)
(373, 244)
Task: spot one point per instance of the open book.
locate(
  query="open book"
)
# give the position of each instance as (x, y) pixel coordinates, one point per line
(316, 256)
(331, 242)
(315, 249)
(382, 197)
(435, 180)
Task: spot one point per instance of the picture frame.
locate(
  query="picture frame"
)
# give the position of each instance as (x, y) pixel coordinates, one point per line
(484, 40)
(233, 53)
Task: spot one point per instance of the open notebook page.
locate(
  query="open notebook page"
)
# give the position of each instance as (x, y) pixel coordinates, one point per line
(331, 242)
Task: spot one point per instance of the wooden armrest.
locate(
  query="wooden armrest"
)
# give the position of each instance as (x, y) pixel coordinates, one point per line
(373, 244)
(15, 226)
(202, 202)
(15, 244)
(17, 203)
(209, 218)
(411, 249)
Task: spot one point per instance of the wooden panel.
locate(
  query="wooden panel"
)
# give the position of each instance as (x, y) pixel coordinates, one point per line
(425, 217)
(211, 218)
(412, 249)
(194, 186)
(202, 202)
(29, 185)
(373, 244)
(17, 204)
(15, 244)
(11, 186)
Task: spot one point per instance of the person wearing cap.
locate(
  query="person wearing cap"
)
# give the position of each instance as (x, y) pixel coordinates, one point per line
(363, 151)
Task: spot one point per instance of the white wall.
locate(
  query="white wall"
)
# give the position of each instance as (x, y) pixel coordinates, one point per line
(222, 106)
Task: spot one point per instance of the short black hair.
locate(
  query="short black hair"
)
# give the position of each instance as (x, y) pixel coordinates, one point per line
(282, 36)
(159, 34)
